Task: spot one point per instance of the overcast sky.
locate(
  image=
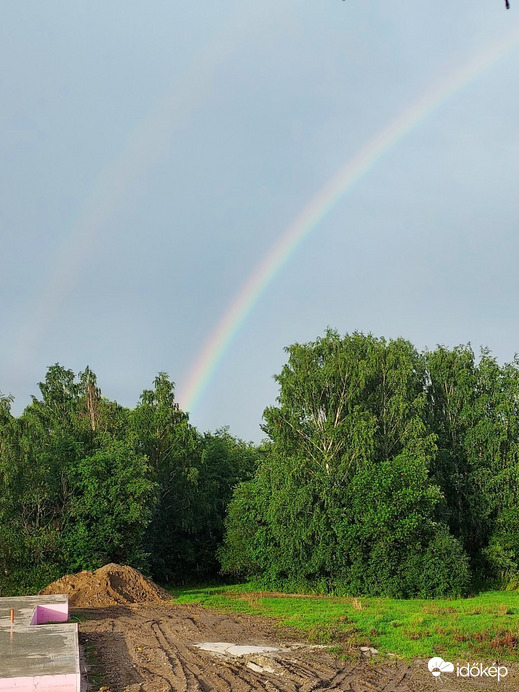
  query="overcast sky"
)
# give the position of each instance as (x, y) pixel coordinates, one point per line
(152, 153)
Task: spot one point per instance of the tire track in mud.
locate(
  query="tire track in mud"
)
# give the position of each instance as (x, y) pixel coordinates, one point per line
(192, 677)
(181, 676)
(225, 674)
(196, 671)
(394, 686)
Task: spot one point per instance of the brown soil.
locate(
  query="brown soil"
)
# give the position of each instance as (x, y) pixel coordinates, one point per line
(153, 648)
(108, 586)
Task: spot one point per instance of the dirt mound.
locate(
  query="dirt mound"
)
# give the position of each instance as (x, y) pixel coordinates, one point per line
(108, 586)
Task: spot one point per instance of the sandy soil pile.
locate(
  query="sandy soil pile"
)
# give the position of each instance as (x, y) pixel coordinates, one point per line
(108, 586)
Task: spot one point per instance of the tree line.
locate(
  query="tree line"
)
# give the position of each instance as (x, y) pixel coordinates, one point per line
(385, 471)
(85, 481)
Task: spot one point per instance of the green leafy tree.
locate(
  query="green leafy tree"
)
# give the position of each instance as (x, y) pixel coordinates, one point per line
(29, 492)
(351, 412)
(195, 476)
(112, 500)
(392, 542)
(452, 394)
(46, 495)
(473, 410)
(225, 461)
(163, 434)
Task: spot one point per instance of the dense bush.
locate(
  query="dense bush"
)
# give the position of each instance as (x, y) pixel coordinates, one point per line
(389, 472)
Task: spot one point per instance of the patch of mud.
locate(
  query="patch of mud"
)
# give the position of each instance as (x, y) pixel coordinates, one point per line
(156, 648)
(108, 586)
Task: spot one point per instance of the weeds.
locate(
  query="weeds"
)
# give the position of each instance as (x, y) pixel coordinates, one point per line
(95, 674)
(357, 604)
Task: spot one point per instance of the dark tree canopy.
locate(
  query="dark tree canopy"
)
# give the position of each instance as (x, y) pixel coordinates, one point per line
(389, 471)
(84, 482)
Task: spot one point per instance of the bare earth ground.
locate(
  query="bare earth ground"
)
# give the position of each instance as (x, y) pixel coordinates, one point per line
(152, 647)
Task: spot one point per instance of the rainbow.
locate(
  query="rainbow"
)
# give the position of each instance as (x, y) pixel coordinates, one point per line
(319, 206)
(140, 149)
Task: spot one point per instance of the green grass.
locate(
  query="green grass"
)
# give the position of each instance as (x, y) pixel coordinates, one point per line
(479, 628)
(77, 617)
(95, 674)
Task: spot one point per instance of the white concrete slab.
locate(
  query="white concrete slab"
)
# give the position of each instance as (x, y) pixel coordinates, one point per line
(228, 649)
